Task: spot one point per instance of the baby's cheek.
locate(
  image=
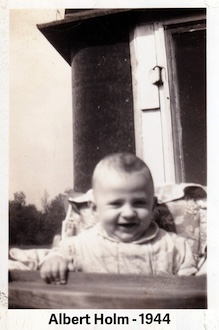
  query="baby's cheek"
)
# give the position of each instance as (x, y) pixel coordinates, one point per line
(145, 213)
(109, 215)
(109, 223)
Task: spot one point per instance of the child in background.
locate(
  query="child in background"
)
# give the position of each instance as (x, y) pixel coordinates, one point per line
(125, 240)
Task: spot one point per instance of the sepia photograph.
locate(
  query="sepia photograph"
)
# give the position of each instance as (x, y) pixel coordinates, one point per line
(121, 91)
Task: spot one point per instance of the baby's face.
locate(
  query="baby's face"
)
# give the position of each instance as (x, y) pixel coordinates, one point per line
(124, 204)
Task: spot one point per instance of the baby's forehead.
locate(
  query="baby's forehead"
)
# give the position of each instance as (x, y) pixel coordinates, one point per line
(111, 174)
(114, 170)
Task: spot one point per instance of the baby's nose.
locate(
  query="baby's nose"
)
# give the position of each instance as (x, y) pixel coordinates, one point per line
(128, 211)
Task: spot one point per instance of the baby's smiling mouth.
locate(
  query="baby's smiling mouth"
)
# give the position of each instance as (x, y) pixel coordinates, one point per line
(127, 224)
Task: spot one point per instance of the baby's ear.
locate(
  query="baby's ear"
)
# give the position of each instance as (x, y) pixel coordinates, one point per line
(154, 203)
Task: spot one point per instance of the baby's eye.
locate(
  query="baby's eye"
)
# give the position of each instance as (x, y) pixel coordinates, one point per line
(140, 203)
(115, 203)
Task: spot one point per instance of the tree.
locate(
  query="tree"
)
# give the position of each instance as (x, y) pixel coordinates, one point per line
(23, 221)
(28, 226)
(54, 217)
(45, 201)
(20, 198)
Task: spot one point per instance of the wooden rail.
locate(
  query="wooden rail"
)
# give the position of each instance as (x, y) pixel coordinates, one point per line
(103, 291)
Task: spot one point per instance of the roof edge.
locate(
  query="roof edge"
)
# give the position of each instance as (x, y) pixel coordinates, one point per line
(78, 16)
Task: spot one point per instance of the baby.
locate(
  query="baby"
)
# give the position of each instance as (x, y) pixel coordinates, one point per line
(125, 240)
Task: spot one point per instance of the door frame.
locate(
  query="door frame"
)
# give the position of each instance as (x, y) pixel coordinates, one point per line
(153, 34)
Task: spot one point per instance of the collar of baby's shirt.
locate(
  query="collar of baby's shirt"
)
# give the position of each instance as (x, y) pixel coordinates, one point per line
(148, 235)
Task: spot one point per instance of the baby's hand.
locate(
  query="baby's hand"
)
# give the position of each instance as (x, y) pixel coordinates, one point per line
(54, 270)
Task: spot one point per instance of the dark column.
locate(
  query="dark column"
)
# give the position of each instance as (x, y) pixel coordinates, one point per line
(103, 119)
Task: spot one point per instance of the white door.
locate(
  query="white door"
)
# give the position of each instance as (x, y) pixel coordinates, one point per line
(168, 72)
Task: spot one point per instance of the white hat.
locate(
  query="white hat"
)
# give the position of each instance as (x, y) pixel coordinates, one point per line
(84, 198)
